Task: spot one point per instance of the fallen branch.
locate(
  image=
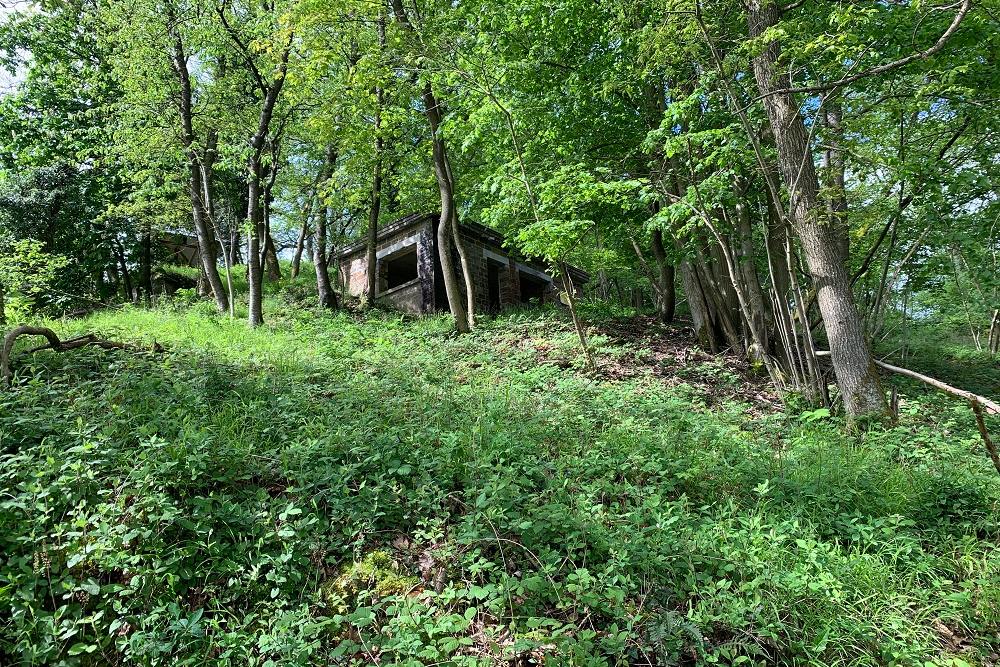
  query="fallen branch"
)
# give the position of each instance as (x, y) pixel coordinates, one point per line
(979, 404)
(992, 407)
(987, 440)
(58, 345)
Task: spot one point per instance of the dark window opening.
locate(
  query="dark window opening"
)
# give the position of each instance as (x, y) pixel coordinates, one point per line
(493, 282)
(399, 270)
(532, 288)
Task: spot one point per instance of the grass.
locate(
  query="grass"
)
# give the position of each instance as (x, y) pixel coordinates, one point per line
(341, 489)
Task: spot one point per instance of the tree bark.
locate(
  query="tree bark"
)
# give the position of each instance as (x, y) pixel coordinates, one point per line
(666, 294)
(300, 242)
(202, 227)
(371, 264)
(325, 292)
(852, 360)
(119, 251)
(270, 250)
(146, 265)
(834, 167)
(446, 190)
(235, 258)
(701, 310)
(255, 213)
(747, 269)
(3, 310)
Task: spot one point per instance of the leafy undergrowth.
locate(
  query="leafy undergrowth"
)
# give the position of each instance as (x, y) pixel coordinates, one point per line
(333, 489)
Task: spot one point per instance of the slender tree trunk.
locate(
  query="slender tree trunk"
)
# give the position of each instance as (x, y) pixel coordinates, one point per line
(856, 373)
(776, 238)
(3, 310)
(146, 265)
(202, 226)
(130, 293)
(581, 331)
(747, 269)
(994, 331)
(255, 272)
(376, 200)
(467, 278)
(300, 242)
(325, 292)
(327, 295)
(255, 212)
(446, 190)
(300, 245)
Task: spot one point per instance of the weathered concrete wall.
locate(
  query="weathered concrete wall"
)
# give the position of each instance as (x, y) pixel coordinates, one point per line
(483, 248)
(420, 295)
(407, 298)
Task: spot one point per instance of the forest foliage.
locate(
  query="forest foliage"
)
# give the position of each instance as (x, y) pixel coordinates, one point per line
(335, 490)
(803, 193)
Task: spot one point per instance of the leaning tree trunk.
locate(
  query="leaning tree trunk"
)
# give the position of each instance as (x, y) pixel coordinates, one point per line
(852, 360)
(446, 190)
(255, 213)
(202, 226)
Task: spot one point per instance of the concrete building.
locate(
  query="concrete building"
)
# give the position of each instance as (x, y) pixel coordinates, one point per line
(410, 276)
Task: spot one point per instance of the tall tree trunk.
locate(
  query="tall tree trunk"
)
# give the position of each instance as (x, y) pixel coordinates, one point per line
(324, 289)
(235, 256)
(300, 242)
(446, 190)
(255, 212)
(255, 273)
(666, 293)
(3, 310)
(325, 292)
(834, 167)
(202, 226)
(699, 306)
(747, 266)
(146, 265)
(856, 373)
(119, 251)
(376, 201)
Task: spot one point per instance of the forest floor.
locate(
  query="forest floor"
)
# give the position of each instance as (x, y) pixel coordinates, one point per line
(371, 489)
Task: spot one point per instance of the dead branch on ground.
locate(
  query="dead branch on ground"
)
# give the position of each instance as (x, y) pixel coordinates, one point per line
(58, 345)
